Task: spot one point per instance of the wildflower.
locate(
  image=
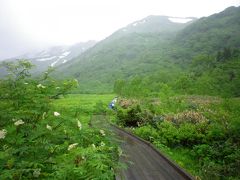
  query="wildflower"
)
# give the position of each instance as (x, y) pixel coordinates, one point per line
(44, 114)
(71, 146)
(56, 114)
(49, 127)
(102, 132)
(3, 133)
(36, 173)
(119, 151)
(5, 147)
(93, 145)
(41, 86)
(79, 125)
(138, 124)
(102, 144)
(19, 122)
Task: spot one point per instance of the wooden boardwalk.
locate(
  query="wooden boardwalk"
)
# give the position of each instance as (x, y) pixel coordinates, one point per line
(143, 160)
(147, 162)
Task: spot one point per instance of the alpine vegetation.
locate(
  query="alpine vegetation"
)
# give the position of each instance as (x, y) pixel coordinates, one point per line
(39, 141)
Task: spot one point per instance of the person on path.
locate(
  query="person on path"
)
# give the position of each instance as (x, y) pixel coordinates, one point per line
(112, 103)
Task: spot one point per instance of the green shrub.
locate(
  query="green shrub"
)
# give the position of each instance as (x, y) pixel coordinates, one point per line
(134, 116)
(147, 132)
(168, 134)
(36, 141)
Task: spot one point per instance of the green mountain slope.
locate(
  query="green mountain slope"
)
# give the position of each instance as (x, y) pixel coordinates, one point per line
(133, 50)
(153, 48)
(210, 34)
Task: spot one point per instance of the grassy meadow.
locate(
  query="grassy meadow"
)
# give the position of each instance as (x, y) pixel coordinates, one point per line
(82, 105)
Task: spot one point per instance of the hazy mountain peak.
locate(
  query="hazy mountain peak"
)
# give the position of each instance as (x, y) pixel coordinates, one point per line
(54, 56)
(157, 24)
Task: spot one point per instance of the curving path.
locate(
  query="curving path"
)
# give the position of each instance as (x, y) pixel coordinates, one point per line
(143, 160)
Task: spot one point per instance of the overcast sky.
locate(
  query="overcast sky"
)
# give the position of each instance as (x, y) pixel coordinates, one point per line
(28, 24)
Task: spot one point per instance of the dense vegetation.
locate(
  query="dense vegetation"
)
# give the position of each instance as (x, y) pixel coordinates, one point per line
(201, 133)
(179, 88)
(42, 138)
(154, 69)
(207, 75)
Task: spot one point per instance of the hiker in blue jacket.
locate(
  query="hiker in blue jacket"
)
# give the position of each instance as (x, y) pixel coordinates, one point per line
(112, 103)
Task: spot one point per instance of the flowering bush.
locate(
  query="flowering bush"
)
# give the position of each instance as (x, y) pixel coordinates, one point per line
(36, 141)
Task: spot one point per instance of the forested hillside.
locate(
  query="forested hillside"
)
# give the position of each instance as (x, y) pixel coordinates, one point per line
(210, 34)
(138, 49)
(206, 75)
(157, 49)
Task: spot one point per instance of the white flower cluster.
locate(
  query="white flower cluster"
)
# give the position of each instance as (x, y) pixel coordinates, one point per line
(71, 146)
(49, 127)
(36, 173)
(19, 122)
(41, 86)
(102, 144)
(3, 133)
(56, 114)
(79, 124)
(44, 114)
(102, 132)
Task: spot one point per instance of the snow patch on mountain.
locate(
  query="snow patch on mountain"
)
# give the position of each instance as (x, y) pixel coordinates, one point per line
(64, 61)
(60, 57)
(47, 59)
(66, 53)
(179, 20)
(54, 63)
(135, 24)
(139, 22)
